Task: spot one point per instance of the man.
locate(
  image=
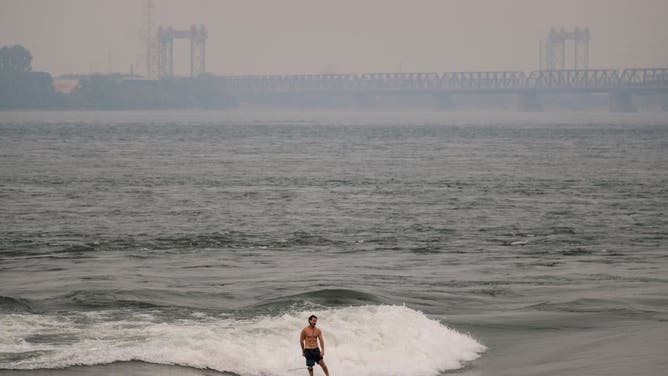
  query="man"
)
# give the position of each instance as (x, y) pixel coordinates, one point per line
(308, 340)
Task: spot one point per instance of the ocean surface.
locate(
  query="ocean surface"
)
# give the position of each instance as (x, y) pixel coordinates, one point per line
(428, 243)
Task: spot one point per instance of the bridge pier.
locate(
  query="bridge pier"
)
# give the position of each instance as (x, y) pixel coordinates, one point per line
(620, 101)
(528, 101)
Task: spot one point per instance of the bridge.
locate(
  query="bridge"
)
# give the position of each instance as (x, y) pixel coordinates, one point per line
(620, 84)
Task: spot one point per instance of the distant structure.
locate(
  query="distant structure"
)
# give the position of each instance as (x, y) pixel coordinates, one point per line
(553, 50)
(158, 45)
(65, 85)
(166, 36)
(149, 40)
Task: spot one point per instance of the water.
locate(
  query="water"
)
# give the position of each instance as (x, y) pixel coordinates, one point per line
(428, 243)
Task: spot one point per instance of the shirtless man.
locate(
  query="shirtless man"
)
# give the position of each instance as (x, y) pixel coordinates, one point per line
(308, 340)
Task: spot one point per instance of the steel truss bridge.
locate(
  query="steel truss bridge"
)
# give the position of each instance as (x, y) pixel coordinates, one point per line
(620, 84)
(589, 80)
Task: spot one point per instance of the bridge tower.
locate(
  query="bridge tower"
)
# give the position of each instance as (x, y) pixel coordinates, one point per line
(166, 36)
(149, 41)
(553, 49)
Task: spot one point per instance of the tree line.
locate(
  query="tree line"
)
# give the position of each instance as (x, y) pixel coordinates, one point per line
(21, 88)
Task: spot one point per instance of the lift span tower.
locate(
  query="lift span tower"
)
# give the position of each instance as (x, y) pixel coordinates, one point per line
(166, 37)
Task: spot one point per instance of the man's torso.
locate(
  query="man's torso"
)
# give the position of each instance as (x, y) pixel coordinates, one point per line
(311, 337)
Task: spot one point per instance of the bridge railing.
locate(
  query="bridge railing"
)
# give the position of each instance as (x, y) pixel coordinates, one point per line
(647, 77)
(397, 81)
(482, 80)
(573, 79)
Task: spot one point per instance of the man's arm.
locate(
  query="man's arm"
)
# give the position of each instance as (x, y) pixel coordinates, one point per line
(322, 343)
(302, 337)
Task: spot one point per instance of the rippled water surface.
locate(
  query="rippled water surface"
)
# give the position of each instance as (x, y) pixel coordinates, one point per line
(465, 243)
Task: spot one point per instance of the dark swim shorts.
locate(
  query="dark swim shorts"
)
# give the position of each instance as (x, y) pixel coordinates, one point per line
(312, 356)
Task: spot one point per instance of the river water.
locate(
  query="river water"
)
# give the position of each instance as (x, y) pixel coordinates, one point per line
(428, 243)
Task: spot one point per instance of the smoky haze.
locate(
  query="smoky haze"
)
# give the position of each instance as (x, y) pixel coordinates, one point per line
(343, 36)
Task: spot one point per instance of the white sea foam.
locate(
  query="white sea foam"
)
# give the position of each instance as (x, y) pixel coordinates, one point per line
(368, 340)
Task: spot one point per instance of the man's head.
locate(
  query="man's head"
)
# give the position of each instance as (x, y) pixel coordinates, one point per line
(312, 320)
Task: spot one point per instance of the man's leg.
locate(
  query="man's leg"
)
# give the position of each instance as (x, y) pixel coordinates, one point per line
(310, 371)
(323, 366)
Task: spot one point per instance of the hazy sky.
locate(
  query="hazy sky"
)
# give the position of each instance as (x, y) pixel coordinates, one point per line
(336, 36)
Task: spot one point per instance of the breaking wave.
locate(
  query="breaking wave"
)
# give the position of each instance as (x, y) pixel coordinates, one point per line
(362, 340)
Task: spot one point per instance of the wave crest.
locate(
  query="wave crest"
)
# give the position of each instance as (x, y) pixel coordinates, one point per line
(323, 298)
(363, 340)
(9, 304)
